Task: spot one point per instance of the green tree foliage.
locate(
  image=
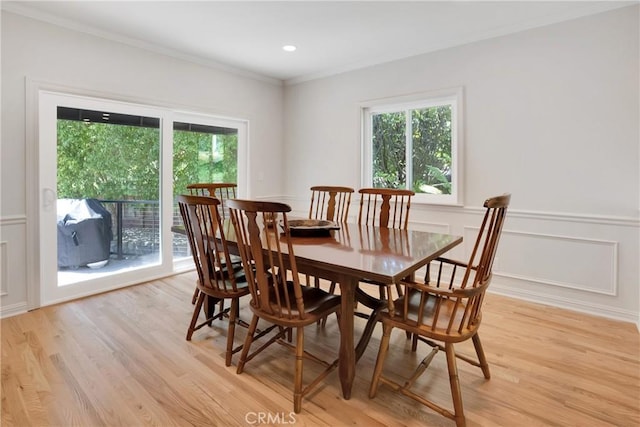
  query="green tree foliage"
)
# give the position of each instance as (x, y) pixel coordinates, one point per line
(389, 158)
(431, 149)
(202, 157)
(106, 161)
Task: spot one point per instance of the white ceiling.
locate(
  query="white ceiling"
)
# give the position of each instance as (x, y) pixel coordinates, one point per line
(331, 36)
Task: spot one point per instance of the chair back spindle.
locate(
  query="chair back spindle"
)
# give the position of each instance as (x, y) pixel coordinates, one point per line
(221, 190)
(330, 203)
(385, 207)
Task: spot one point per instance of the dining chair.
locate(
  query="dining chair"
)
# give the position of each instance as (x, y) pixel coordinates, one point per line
(445, 312)
(218, 278)
(274, 298)
(223, 191)
(384, 208)
(331, 203)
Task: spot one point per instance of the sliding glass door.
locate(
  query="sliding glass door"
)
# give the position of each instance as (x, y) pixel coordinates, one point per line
(109, 173)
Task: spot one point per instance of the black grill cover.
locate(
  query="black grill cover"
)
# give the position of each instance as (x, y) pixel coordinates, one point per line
(84, 232)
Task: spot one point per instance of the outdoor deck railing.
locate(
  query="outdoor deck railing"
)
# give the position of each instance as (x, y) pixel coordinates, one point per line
(137, 227)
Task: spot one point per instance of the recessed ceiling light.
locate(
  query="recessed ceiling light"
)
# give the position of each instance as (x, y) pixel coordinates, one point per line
(289, 48)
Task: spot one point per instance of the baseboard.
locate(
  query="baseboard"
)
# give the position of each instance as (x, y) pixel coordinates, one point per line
(613, 313)
(13, 310)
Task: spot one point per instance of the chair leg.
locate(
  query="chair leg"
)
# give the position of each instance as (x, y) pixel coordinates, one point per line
(332, 290)
(316, 283)
(231, 331)
(221, 308)
(194, 298)
(374, 318)
(398, 289)
(196, 313)
(481, 357)
(297, 387)
(209, 308)
(382, 355)
(455, 385)
(247, 343)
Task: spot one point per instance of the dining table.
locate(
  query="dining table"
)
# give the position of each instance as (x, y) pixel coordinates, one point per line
(353, 253)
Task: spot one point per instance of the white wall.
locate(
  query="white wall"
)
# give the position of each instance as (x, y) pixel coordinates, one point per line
(551, 116)
(46, 53)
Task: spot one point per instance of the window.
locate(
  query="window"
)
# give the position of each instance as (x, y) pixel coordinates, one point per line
(414, 143)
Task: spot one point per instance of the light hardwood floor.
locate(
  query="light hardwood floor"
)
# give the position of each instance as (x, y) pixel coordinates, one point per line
(121, 359)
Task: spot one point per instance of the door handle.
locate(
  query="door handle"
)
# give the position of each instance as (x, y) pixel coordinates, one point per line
(49, 198)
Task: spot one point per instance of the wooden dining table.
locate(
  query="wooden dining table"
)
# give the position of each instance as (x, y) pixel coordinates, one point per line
(355, 252)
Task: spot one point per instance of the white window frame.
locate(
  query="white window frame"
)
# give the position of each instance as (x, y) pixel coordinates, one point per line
(453, 97)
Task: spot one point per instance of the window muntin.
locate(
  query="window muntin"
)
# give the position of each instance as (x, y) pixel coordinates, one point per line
(415, 145)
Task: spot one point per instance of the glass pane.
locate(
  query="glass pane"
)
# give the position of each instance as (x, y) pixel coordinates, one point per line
(389, 150)
(201, 153)
(108, 193)
(431, 132)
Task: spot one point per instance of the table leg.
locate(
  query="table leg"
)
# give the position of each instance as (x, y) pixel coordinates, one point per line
(209, 307)
(347, 363)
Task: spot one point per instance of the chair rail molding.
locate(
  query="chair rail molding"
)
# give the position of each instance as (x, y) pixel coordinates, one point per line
(13, 220)
(624, 221)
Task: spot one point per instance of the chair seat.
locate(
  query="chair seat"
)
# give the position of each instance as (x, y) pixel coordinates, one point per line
(424, 325)
(239, 274)
(317, 304)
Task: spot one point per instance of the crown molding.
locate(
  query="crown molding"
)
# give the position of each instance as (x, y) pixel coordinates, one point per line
(26, 11)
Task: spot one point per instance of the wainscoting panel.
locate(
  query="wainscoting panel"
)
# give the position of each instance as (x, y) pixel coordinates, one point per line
(551, 260)
(579, 262)
(13, 283)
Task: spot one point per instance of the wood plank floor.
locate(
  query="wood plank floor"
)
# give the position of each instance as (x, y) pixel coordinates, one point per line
(121, 359)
